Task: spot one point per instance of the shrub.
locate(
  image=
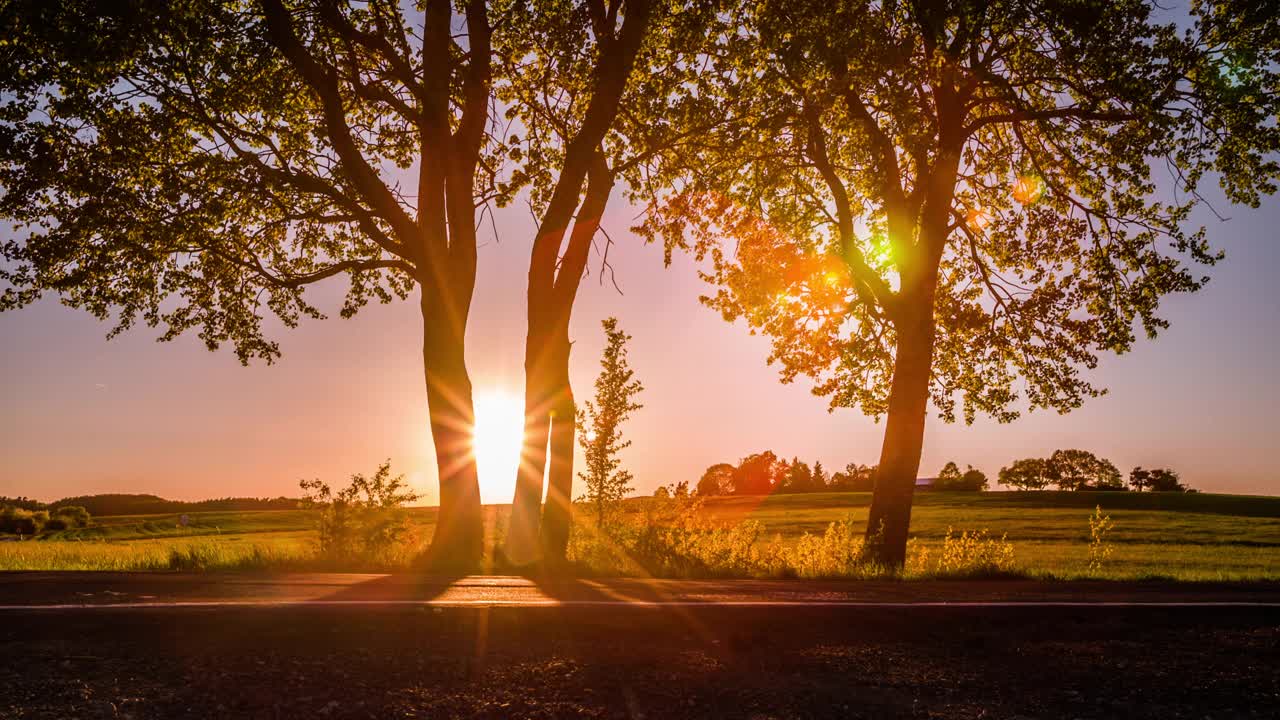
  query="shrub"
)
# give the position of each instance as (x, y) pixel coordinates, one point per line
(1099, 547)
(966, 555)
(671, 537)
(19, 521)
(72, 515)
(364, 523)
(841, 551)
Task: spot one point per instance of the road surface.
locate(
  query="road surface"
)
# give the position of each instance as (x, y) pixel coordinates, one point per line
(144, 646)
(71, 591)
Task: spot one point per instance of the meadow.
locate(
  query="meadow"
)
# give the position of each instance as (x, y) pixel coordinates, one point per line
(1187, 537)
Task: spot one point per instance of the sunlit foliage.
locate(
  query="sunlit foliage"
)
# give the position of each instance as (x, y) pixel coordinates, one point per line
(1021, 172)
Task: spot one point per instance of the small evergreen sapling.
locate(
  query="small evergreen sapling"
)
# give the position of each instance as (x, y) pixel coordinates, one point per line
(602, 418)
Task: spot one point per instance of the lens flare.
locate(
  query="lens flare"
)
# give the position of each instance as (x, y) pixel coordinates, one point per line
(978, 219)
(1027, 189)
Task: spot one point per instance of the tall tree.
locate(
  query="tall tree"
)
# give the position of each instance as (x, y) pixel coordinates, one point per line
(716, 480)
(592, 84)
(198, 165)
(616, 389)
(1082, 470)
(1028, 474)
(798, 478)
(956, 201)
(819, 480)
(756, 474)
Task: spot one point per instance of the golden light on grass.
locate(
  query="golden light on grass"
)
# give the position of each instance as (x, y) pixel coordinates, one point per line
(496, 442)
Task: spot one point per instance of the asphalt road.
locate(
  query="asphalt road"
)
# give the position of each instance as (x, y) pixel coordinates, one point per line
(102, 645)
(72, 591)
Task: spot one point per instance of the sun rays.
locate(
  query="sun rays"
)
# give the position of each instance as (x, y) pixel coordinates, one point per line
(496, 442)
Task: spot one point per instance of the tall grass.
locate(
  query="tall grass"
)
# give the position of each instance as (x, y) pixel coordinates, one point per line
(812, 536)
(676, 538)
(175, 554)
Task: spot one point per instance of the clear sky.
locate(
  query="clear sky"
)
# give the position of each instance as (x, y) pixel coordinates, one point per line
(84, 415)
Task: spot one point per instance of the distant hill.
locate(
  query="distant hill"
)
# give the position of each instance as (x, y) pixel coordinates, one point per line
(131, 504)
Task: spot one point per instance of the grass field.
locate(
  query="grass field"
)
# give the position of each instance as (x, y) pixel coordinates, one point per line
(1189, 537)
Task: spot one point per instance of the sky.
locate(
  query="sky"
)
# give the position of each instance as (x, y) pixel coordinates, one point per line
(85, 415)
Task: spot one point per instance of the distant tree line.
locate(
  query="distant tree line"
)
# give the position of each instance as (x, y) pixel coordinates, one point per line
(1082, 470)
(763, 473)
(133, 504)
(15, 520)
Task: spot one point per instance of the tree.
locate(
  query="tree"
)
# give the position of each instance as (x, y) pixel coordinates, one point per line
(616, 389)
(819, 480)
(1028, 474)
(662, 492)
(1082, 470)
(755, 474)
(197, 166)
(597, 80)
(971, 480)
(1156, 480)
(948, 476)
(948, 201)
(855, 478)
(1139, 479)
(716, 480)
(798, 478)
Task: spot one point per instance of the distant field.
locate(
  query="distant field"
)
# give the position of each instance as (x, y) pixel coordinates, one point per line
(1192, 537)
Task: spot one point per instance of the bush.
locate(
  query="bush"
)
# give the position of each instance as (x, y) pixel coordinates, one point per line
(364, 523)
(19, 521)
(1099, 546)
(967, 555)
(841, 551)
(670, 537)
(73, 516)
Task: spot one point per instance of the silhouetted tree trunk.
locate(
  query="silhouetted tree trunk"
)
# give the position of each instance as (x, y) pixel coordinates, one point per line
(522, 529)
(889, 519)
(553, 286)
(890, 516)
(557, 513)
(458, 540)
(550, 411)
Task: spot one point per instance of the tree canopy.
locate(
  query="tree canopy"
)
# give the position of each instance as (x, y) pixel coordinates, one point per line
(198, 165)
(962, 202)
(1037, 136)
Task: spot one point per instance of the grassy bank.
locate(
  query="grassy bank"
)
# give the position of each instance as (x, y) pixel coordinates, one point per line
(1190, 537)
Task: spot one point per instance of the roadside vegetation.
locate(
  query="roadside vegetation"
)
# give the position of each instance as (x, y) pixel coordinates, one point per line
(1182, 536)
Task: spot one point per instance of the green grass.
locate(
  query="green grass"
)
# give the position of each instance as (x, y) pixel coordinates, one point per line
(1188, 537)
(1197, 536)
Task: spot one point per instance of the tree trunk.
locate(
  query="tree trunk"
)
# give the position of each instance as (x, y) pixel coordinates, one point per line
(526, 506)
(557, 515)
(890, 516)
(457, 543)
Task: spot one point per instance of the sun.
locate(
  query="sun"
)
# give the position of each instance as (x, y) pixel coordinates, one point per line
(496, 443)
